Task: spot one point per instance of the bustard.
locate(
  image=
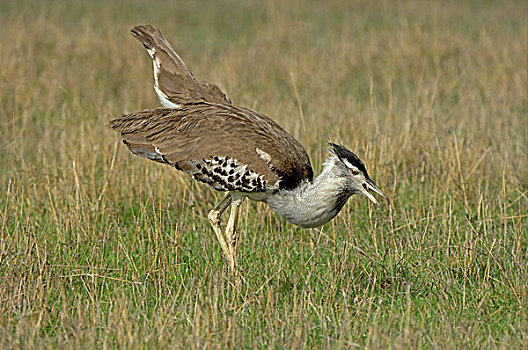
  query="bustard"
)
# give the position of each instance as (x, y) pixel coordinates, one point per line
(234, 149)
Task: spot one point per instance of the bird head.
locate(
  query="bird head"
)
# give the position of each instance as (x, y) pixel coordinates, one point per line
(353, 169)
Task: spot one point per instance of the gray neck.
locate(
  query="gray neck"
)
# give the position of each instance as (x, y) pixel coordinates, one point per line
(314, 204)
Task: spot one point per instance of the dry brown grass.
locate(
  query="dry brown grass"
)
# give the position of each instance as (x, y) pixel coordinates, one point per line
(98, 248)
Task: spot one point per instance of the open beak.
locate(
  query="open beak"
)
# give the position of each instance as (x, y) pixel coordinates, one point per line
(369, 185)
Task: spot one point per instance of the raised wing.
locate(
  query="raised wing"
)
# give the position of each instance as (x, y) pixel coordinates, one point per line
(230, 148)
(173, 82)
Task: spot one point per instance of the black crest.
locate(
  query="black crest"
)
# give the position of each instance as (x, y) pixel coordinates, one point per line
(343, 153)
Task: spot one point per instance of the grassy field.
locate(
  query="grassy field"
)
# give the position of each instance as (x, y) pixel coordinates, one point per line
(100, 248)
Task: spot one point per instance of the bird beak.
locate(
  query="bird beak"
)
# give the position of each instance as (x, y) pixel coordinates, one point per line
(370, 185)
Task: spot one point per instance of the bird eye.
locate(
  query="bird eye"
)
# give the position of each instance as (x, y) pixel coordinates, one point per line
(355, 172)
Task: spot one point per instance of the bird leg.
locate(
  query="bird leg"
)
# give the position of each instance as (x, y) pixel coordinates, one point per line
(214, 219)
(231, 233)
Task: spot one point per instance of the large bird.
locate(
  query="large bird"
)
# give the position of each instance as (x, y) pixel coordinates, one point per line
(234, 149)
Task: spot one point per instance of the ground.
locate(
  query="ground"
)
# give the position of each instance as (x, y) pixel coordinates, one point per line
(101, 248)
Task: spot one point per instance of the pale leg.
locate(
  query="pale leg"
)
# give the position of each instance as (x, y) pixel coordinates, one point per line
(231, 233)
(214, 219)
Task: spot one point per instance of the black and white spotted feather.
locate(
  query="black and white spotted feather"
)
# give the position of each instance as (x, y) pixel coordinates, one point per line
(226, 174)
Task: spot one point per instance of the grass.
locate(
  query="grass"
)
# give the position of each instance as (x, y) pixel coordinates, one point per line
(101, 249)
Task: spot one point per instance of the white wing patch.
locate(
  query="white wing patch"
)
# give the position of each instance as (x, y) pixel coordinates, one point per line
(164, 100)
(263, 155)
(157, 67)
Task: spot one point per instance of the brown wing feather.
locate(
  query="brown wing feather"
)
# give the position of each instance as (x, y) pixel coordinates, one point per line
(171, 75)
(200, 131)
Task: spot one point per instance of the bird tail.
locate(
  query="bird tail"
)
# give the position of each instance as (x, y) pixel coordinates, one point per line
(173, 81)
(135, 132)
